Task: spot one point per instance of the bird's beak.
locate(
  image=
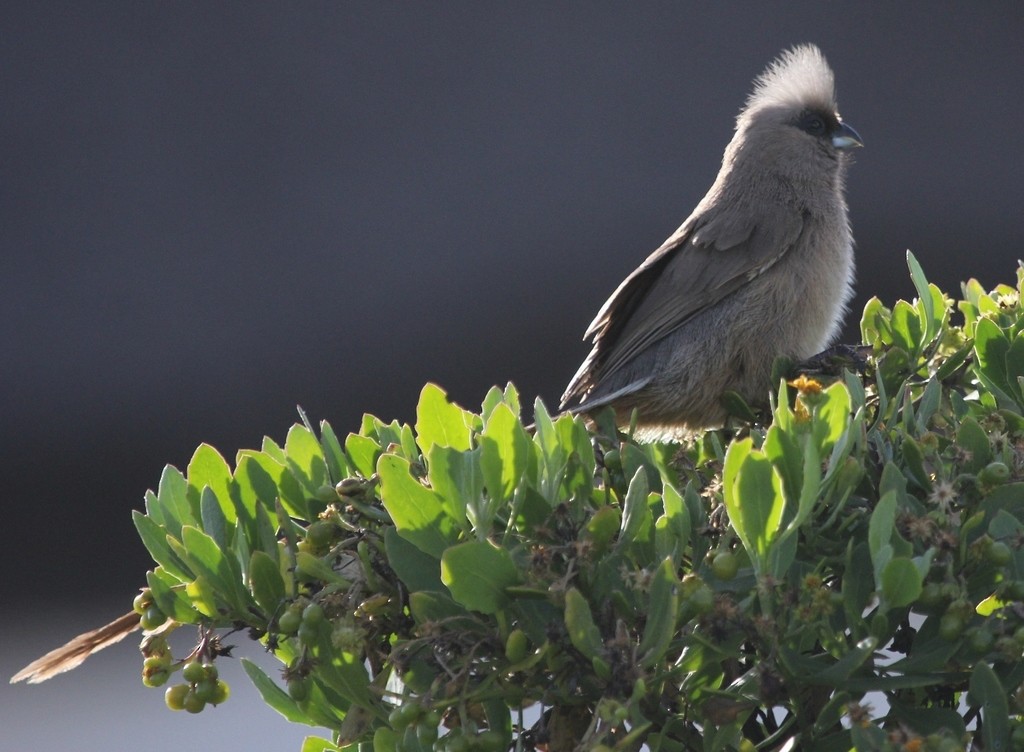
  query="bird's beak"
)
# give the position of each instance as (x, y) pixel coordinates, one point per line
(846, 138)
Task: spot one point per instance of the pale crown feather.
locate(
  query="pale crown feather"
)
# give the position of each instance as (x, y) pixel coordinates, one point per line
(798, 78)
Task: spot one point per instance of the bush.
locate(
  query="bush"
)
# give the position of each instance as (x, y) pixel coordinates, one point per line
(846, 573)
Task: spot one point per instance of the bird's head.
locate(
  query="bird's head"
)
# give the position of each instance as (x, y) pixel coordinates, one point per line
(791, 120)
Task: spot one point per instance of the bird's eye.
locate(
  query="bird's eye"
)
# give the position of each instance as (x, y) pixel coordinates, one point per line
(814, 124)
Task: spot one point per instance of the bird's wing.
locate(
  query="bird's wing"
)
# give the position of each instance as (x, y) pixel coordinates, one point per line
(708, 258)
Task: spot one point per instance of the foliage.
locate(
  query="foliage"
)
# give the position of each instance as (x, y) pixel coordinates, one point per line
(849, 575)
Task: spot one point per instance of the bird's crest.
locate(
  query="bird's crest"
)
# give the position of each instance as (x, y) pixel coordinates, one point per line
(800, 77)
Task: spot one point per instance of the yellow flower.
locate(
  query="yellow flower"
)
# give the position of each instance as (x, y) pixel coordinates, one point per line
(805, 385)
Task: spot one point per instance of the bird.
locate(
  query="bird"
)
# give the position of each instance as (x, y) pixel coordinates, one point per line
(762, 268)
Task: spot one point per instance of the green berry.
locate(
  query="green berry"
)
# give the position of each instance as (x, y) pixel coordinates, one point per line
(289, 622)
(193, 703)
(152, 618)
(175, 696)
(298, 689)
(205, 689)
(998, 554)
(313, 615)
(193, 672)
(321, 533)
(516, 646)
(221, 692)
(980, 640)
(725, 565)
(308, 634)
(994, 474)
(951, 626)
(143, 601)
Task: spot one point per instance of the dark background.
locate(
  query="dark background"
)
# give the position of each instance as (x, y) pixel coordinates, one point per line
(212, 212)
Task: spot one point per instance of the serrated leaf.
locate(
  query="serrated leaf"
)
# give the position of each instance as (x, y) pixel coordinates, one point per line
(363, 451)
(318, 744)
(418, 512)
(306, 458)
(504, 446)
(456, 478)
(753, 498)
(439, 421)
(831, 416)
(271, 481)
(477, 573)
(907, 330)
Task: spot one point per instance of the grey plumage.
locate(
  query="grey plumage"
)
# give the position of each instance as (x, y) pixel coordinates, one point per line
(762, 268)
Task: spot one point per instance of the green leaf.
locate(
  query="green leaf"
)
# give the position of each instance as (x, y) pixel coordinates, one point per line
(363, 451)
(991, 346)
(901, 582)
(222, 571)
(172, 493)
(832, 416)
(208, 468)
(875, 326)
(214, 523)
(504, 448)
(418, 512)
(988, 692)
(753, 497)
(882, 525)
(781, 447)
(456, 479)
(386, 740)
(154, 538)
(170, 596)
(907, 331)
(928, 720)
(439, 421)
(972, 438)
(265, 582)
(579, 623)
(314, 568)
(306, 458)
(334, 455)
(477, 573)
(271, 480)
(662, 607)
(432, 607)
(318, 744)
(274, 696)
(921, 285)
(636, 514)
(419, 571)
